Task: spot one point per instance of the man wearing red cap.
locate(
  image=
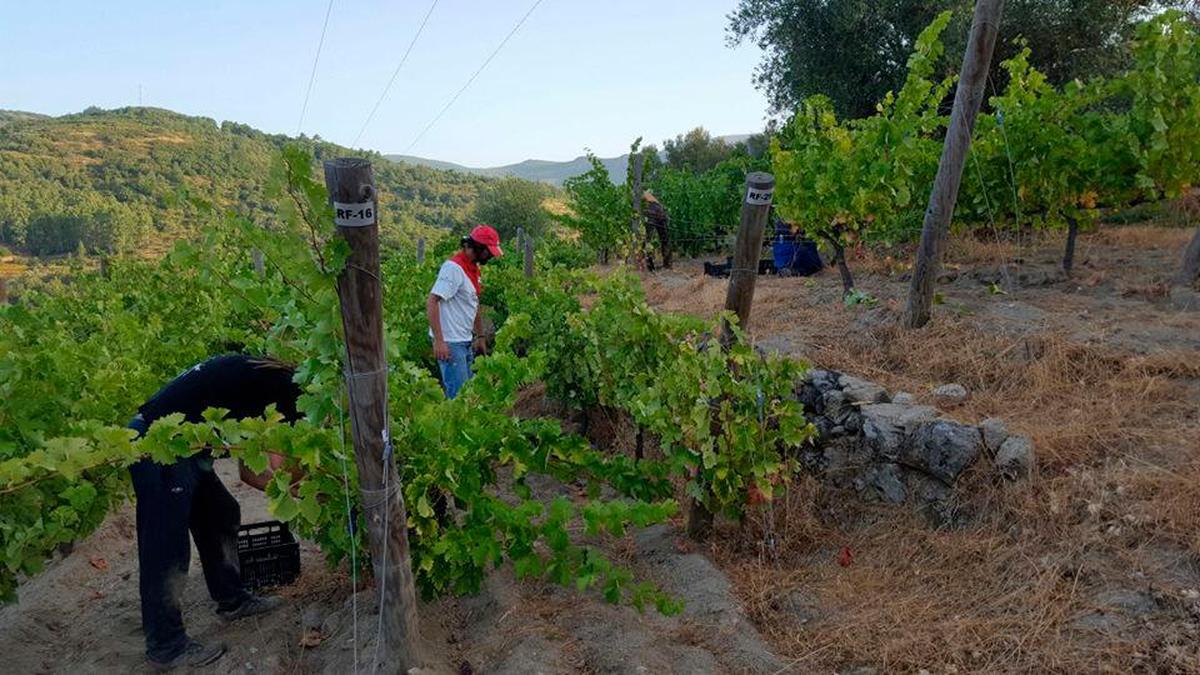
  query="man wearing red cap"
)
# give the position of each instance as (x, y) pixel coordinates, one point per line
(455, 322)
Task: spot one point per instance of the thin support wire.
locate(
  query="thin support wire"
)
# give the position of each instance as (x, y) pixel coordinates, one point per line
(352, 529)
(473, 76)
(313, 76)
(387, 497)
(395, 72)
(387, 489)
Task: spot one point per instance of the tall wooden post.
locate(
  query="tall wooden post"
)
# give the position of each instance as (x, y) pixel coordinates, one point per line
(260, 265)
(635, 222)
(976, 61)
(351, 186)
(529, 258)
(756, 205)
(520, 239)
(421, 251)
(3, 291)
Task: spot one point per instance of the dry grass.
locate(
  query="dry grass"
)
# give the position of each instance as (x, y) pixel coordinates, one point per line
(11, 267)
(1145, 237)
(1115, 504)
(1185, 211)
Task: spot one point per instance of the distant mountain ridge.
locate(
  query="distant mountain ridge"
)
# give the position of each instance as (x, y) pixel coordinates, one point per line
(540, 170)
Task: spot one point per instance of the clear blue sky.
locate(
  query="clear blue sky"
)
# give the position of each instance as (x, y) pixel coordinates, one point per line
(578, 73)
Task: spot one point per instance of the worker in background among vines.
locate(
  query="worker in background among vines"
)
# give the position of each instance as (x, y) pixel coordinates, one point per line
(657, 222)
(187, 495)
(455, 319)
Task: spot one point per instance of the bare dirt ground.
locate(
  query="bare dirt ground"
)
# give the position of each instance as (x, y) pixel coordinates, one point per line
(1093, 565)
(81, 615)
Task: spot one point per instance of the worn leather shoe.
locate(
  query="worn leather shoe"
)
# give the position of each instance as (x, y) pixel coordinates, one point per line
(194, 655)
(255, 604)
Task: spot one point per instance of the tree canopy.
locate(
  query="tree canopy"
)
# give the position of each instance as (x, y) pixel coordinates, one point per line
(696, 151)
(855, 51)
(509, 203)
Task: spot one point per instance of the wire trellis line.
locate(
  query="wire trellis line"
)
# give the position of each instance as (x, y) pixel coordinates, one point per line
(312, 77)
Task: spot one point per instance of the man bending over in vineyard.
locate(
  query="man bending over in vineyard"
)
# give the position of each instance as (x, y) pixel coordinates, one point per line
(455, 321)
(188, 495)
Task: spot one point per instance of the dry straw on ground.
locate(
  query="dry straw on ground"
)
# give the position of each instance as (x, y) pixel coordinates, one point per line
(1108, 388)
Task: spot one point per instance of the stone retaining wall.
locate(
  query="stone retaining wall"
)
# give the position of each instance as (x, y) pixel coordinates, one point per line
(893, 450)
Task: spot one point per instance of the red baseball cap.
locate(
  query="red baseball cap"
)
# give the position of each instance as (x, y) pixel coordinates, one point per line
(488, 236)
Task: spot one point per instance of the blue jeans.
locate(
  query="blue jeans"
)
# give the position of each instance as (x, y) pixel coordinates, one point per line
(457, 370)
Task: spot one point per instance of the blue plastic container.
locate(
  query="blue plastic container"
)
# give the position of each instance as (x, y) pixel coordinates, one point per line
(784, 252)
(800, 258)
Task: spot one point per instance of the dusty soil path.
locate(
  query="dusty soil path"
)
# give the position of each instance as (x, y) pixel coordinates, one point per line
(81, 615)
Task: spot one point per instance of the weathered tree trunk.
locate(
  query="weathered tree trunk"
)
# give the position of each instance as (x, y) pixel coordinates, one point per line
(1189, 269)
(351, 186)
(1069, 255)
(839, 259)
(942, 199)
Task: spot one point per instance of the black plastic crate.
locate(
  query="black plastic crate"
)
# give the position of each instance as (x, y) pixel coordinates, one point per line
(268, 554)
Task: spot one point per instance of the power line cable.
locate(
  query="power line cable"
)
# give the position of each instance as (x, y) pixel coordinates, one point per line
(313, 76)
(473, 76)
(395, 72)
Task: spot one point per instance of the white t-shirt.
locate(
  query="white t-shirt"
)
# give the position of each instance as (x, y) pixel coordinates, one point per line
(458, 305)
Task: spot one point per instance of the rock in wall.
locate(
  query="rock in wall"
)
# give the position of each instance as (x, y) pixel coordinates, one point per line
(896, 451)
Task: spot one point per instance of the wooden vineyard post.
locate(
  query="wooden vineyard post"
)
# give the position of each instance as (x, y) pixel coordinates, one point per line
(635, 221)
(528, 258)
(260, 266)
(756, 205)
(942, 198)
(421, 250)
(351, 186)
(520, 239)
(3, 291)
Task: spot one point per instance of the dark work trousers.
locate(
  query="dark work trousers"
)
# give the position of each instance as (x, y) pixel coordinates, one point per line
(171, 500)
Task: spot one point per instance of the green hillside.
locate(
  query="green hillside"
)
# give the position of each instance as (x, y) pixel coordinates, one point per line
(131, 179)
(7, 116)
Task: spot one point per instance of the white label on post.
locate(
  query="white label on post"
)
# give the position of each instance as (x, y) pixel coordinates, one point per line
(354, 215)
(758, 197)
